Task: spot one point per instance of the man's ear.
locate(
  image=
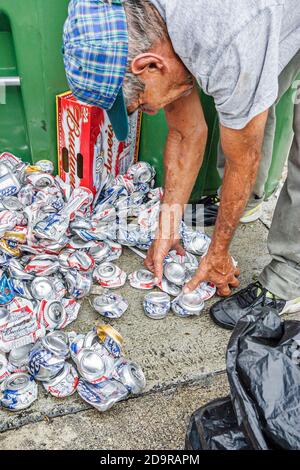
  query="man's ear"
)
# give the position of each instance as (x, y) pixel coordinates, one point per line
(148, 62)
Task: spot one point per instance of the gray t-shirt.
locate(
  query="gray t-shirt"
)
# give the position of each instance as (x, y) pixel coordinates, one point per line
(235, 49)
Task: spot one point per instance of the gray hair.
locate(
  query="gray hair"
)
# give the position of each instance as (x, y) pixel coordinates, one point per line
(145, 28)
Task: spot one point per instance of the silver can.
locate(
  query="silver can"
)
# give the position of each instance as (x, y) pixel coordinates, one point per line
(52, 314)
(157, 305)
(175, 273)
(64, 384)
(19, 358)
(94, 366)
(48, 356)
(169, 287)
(109, 275)
(187, 305)
(103, 395)
(110, 305)
(42, 288)
(142, 279)
(19, 391)
(130, 374)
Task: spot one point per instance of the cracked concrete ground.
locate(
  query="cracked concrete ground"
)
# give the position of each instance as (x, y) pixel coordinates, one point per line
(183, 360)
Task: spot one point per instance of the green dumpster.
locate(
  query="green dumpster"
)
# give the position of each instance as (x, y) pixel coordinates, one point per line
(152, 149)
(31, 75)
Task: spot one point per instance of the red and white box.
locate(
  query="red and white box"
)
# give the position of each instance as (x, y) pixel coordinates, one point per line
(87, 145)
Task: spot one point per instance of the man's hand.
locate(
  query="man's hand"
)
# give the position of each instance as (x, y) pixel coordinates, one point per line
(157, 253)
(218, 269)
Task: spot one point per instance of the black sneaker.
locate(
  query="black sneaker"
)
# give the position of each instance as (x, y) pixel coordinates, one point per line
(227, 312)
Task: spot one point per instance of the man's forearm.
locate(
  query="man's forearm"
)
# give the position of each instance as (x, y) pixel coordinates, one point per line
(237, 185)
(182, 163)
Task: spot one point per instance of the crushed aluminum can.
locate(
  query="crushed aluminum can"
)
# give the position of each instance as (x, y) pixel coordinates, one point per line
(175, 273)
(8, 220)
(71, 308)
(76, 344)
(142, 279)
(17, 271)
(40, 180)
(43, 265)
(80, 198)
(157, 305)
(189, 260)
(94, 366)
(81, 261)
(6, 290)
(26, 331)
(18, 358)
(52, 314)
(19, 391)
(44, 166)
(4, 372)
(10, 248)
(9, 184)
(194, 242)
(130, 374)
(64, 384)
(187, 305)
(79, 284)
(111, 339)
(115, 250)
(53, 227)
(141, 172)
(100, 252)
(109, 275)
(103, 395)
(169, 288)
(12, 203)
(59, 288)
(42, 288)
(22, 288)
(47, 357)
(110, 305)
(206, 290)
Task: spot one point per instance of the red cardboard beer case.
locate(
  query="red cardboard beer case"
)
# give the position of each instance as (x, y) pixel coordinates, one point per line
(87, 145)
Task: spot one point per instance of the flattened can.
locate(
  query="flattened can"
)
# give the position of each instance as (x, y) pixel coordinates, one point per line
(111, 339)
(142, 279)
(187, 305)
(130, 374)
(94, 366)
(175, 273)
(19, 391)
(157, 305)
(64, 384)
(109, 275)
(47, 358)
(110, 305)
(103, 395)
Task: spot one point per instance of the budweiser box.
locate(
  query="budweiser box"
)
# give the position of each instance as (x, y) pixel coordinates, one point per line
(87, 145)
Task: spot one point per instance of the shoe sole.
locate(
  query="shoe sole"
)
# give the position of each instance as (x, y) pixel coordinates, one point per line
(252, 217)
(286, 311)
(292, 308)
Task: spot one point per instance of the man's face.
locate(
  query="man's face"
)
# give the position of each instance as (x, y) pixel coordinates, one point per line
(160, 90)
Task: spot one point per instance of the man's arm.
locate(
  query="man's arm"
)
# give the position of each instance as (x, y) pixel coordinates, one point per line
(183, 159)
(242, 149)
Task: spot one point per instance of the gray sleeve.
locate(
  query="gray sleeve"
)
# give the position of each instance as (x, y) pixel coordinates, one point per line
(244, 81)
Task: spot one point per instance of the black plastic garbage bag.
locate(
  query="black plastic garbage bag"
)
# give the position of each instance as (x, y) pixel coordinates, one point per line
(264, 375)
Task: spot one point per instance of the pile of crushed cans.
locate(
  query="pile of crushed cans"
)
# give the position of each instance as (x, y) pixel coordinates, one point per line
(55, 244)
